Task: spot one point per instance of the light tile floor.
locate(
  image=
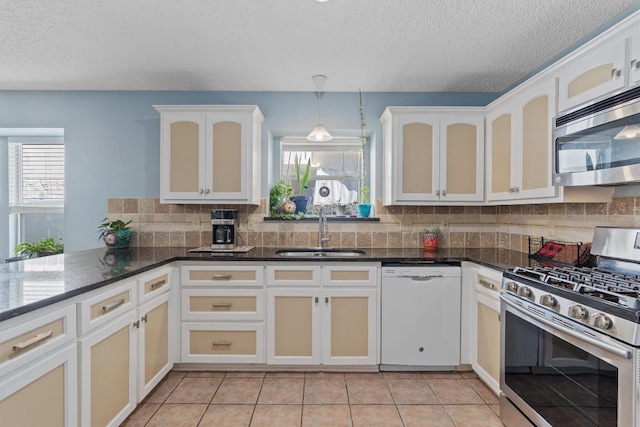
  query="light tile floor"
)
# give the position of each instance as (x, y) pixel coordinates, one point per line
(281, 399)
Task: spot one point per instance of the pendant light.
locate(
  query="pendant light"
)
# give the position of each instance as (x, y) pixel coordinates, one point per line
(319, 133)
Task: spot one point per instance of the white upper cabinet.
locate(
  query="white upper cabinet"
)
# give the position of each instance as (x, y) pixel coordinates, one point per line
(432, 155)
(519, 145)
(607, 65)
(210, 154)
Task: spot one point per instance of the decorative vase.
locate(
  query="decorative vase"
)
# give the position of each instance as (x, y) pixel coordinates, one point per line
(302, 203)
(118, 239)
(430, 242)
(364, 210)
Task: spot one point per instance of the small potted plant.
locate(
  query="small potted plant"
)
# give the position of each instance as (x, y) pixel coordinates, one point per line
(116, 234)
(430, 239)
(364, 207)
(301, 201)
(46, 246)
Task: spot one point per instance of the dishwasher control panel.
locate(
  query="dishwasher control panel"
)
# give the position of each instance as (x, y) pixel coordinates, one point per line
(421, 271)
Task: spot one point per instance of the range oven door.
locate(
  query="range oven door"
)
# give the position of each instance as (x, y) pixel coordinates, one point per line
(556, 375)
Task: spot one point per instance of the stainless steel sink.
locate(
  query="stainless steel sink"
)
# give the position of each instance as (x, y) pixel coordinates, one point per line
(320, 253)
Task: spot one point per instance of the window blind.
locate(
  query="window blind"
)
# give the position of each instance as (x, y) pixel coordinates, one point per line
(36, 174)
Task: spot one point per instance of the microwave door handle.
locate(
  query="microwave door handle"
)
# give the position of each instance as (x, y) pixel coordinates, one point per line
(604, 346)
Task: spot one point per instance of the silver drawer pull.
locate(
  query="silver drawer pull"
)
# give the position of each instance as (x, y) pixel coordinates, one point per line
(222, 343)
(158, 284)
(117, 303)
(31, 341)
(487, 284)
(222, 304)
(221, 276)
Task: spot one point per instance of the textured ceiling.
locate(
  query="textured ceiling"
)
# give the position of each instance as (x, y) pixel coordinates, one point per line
(278, 45)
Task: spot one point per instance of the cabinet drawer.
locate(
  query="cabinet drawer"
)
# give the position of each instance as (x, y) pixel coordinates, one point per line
(223, 343)
(294, 275)
(155, 283)
(34, 338)
(350, 275)
(223, 304)
(487, 283)
(222, 276)
(106, 305)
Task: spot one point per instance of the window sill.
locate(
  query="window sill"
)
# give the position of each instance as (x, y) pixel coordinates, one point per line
(330, 218)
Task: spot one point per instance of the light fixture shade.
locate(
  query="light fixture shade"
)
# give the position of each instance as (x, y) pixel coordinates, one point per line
(319, 134)
(628, 132)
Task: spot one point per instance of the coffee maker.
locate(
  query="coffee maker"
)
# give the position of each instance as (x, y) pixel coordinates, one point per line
(224, 226)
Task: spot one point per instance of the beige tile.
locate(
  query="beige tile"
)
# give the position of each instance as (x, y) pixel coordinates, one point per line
(238, 391)
(425, 415)
(375, 415)
(177, 415)
(245, 374)
(285, 375)
(130, 205)
(141, 415)
(204, 374)
(325, 391)
(406, 375)
(326, 416)
(164, 389)
(324, 375)
(179, 374)
(277, 416)
(411, 391)
(495, 409)
(281, 391)
(468, 374)
(114, 206)
(439, 375)
(485, 392)
(194, 390)
(454, 391)
(473, 416)
(368, 391)
(227, 416)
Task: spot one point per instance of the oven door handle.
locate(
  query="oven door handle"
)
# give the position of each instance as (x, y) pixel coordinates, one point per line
(604, 346)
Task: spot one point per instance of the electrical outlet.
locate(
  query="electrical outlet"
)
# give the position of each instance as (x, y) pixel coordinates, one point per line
(251, 225)
(444, 224)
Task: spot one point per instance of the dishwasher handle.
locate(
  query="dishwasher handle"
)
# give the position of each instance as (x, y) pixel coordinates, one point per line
(421, 278)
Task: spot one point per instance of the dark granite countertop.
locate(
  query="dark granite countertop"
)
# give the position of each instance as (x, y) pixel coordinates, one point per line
(35, 283)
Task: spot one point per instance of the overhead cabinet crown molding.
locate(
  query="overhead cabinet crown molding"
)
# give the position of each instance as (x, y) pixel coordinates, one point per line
(210, 153)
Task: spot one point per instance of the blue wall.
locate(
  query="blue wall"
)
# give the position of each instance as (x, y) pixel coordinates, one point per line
(112, 138)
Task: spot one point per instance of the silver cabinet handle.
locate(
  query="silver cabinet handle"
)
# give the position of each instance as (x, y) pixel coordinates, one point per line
(316, 300)
(32, 341)
(221, 304)
(444, 192)
(635, 63)
(221, 276)
(222, 343)
(158, 284)
(144, 318)
(615, 72)
(201, 191)
(326, 300)
(207, 191)
(486, 284)
(117, 303)
(437, 192)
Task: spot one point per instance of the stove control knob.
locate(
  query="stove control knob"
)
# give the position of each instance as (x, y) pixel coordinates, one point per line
(511, 286)
(577, 312)
(601, 321)
(548, 300)
(524, 291)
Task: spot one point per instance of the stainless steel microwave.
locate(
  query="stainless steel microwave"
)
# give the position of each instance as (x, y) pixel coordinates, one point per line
(599, 143)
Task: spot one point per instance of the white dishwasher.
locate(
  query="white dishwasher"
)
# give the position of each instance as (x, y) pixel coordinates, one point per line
(420, 317)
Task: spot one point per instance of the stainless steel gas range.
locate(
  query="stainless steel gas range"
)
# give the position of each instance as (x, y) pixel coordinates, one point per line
(570, 339)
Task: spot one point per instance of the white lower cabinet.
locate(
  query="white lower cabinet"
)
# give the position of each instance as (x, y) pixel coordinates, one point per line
(310, 321)
(222, 311)
(43, 393)
(485, 328)
(108, 359)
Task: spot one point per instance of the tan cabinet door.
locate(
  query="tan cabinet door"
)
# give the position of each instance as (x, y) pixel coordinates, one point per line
(153, 344)
(488, 339)
(293, 326)
(349, 326)
(461, 158)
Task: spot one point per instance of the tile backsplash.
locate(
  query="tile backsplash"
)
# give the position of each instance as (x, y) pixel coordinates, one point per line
(156, 224)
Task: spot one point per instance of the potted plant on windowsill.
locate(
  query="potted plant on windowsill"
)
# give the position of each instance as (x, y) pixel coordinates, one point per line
(301, 201)
(364, 207)
(116, 234)
(430, 239)
(46, 246)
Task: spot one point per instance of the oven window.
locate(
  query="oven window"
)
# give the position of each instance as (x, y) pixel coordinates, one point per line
(562, 383)
(607, 146)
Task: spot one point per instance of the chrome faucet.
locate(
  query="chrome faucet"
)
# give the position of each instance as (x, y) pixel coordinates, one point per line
(323, 228)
